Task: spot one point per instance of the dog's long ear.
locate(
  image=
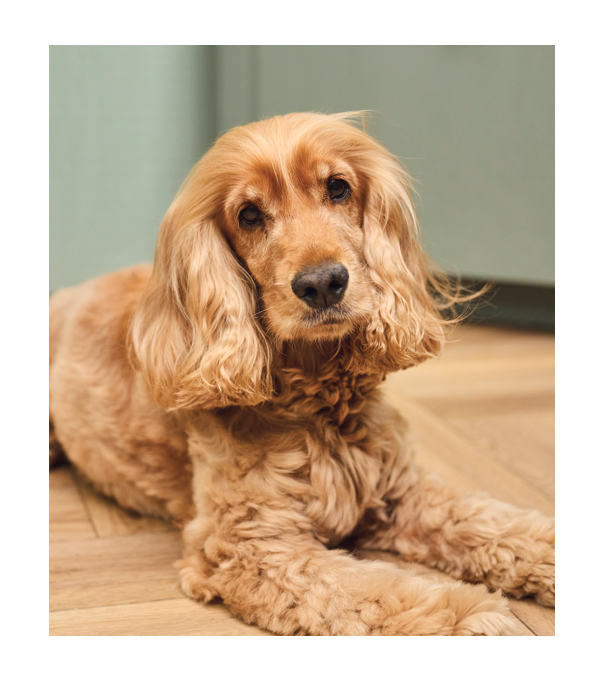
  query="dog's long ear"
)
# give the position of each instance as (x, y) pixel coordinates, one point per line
(194, 335)
(407, 326)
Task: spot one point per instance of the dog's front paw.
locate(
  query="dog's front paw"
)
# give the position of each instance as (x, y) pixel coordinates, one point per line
(196, 576)
(456, 609)
(521, 565)
(484, 614)
(541, 580)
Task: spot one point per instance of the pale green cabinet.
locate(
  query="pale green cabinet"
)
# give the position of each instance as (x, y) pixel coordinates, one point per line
(473, 124)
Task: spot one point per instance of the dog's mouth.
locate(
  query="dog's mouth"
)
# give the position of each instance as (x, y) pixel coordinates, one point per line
(328, 317)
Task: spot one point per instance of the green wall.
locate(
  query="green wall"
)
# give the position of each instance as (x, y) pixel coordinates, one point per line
(126, 125)
(474, 125)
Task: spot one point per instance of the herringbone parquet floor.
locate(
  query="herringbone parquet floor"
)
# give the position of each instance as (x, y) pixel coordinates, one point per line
(482, 417)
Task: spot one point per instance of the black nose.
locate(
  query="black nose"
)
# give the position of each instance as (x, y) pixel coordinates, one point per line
(321, 285)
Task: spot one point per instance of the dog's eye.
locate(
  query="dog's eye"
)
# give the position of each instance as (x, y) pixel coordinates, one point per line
(250, 216)
(338, 189)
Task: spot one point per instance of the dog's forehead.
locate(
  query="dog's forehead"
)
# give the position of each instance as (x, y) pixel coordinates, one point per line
(286, 172)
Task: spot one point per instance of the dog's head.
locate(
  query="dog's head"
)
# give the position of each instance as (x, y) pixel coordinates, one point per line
(299, 227)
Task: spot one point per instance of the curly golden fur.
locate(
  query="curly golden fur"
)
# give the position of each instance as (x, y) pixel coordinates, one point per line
(207, 391)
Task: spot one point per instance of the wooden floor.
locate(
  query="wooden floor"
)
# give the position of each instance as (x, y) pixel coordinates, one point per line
(482, 417)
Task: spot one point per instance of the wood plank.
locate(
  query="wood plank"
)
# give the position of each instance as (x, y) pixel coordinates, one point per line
(469, 406)
(118, 570)
(541, 620)
(111, 520)
(67, 517)
(483, 365)
(456, 381)
(524, 441)
(173, 617)
(458, 462)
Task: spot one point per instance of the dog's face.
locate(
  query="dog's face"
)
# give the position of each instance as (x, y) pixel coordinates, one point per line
(299, 227)
(295, 220)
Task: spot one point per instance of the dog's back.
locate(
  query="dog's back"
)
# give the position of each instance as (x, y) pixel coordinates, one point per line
(101, 415)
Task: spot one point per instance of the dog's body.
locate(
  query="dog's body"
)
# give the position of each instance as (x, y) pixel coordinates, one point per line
(234, 389)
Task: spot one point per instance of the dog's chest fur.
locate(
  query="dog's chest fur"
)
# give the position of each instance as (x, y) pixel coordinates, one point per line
(320, 449)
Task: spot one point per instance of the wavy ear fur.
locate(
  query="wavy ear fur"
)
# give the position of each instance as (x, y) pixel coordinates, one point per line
(195, 336)
(407, 327)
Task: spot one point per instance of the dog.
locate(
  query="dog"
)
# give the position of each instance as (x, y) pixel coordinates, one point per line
(233, 387)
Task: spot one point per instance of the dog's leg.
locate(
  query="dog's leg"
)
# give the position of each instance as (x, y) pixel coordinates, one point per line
(469, 536)
(265, 564)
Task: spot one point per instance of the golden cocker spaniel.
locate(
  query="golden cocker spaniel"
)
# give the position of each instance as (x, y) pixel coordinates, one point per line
(234, 387)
